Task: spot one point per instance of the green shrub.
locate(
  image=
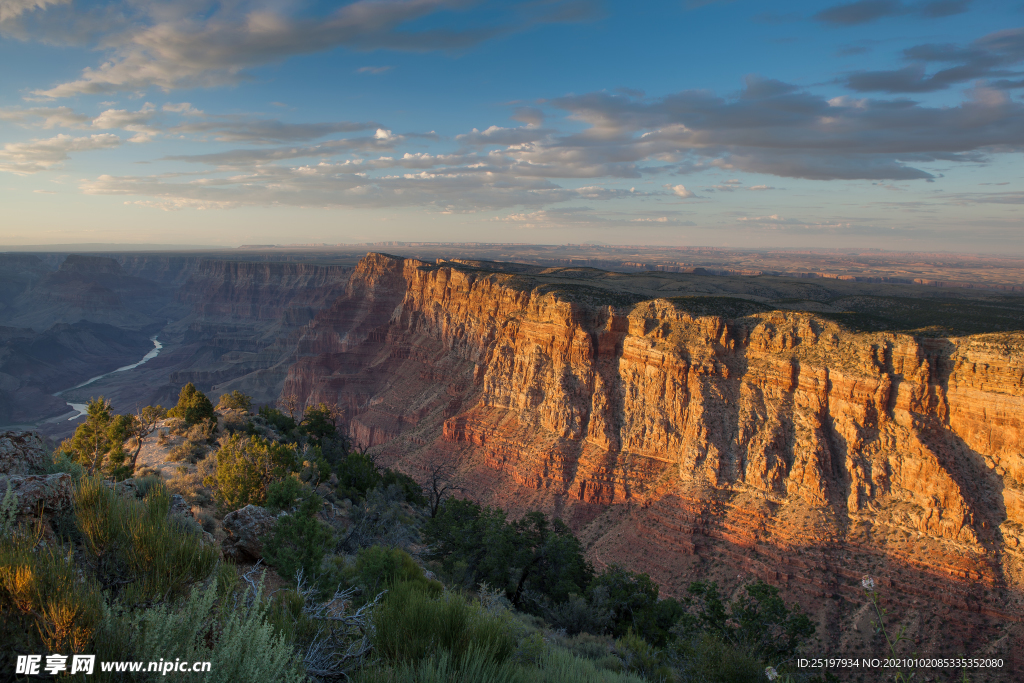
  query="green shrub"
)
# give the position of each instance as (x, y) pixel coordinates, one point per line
(411, 490)
(411, 625)
(706, 658)
(758, 620)
(278, 420)
(473, 666)
(357, 474)
(246, 466)
(281, 495)
(378, 567)
(558, 665)
(642, 658)
(193, 406)
(140, 553)
(40, 590)
(236, 400)
(235, 636)
(299, 542)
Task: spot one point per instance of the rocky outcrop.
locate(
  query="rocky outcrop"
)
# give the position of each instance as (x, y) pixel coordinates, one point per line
(40, 493)
(246, 528)
(688, 443)
(22, 453)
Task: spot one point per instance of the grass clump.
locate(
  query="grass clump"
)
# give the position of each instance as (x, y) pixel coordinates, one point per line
(139, 553)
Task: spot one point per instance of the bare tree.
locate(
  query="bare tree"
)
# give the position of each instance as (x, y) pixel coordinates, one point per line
(290, 402)
(143, 424)
(442, 482)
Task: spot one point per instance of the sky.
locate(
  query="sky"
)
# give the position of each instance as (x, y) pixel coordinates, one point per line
(885, 124)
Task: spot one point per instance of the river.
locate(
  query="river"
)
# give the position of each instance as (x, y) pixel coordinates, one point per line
(81, 407)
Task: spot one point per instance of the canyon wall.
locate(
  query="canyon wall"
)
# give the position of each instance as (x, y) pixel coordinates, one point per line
(776, 445)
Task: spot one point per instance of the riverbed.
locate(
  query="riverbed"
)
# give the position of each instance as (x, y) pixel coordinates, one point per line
(80, 408)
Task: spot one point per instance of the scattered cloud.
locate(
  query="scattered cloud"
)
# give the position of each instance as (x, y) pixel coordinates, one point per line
(996, 57)
(45, 117)
(866, 11)
(10, 9)
(375, 70)
(759, 188)
(200, 45)
(681, 191)
(41, 155)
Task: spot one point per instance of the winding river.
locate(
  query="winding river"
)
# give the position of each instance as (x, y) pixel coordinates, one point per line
(80, 408)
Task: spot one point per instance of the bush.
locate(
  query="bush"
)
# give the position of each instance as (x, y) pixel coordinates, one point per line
(411, 625)
(357, 474)
(381, 519)
(706, 658)
(41, 590)
(281, 495)
(140, 553)
(193, 406)
(443, 667)
(282, 423)
(236, 400)
(246, 466)
(235, 636)
(187, 451)
(758, 620)
(299, 542)
(378, 567)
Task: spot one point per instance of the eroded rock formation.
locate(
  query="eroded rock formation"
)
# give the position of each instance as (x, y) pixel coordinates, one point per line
(689, 444)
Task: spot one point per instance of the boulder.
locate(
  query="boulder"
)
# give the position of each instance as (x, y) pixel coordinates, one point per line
(246, 529)
(21, 453)
(53, 492)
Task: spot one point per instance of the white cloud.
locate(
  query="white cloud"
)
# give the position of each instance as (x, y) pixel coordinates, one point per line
(45, 117)
(9, 9)
(681, 191)
(200, 44)
(760, 187)
(40, 155)
(375, 70)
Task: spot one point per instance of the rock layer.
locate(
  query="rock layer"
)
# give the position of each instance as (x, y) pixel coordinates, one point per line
(778, 444)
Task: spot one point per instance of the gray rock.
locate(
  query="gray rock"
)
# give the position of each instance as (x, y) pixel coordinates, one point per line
(246, 529)
(22, 453)
(52, 492)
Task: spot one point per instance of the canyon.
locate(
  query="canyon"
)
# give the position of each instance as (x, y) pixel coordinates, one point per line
(694, 425)
(711, 437)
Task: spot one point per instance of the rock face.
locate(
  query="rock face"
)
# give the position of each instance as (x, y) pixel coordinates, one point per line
(40, 493)
(692, 444)
(245, 529)
(21, 453)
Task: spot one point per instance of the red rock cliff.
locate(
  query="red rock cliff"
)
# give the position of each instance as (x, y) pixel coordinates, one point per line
(777, 445)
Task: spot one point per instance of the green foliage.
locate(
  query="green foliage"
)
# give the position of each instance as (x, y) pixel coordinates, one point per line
(193, 406)
(63, 461)
(234, 636)
(246, 466)
(706, 658)
(318, 423)
(356, 474)
(42, 595)
(98, 443)
(472, 666)
(532, 559)
(278, 420)
(411, 625)
(378, 567)
(236, 400)
(410, 489)
(299, 541)
(757, 620)
(281, 495)
(140, 553)
(641, 657)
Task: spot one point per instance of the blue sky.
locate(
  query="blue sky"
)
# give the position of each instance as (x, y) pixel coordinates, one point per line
(879, 123)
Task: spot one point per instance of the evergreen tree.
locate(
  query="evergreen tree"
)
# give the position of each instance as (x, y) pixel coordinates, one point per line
(193, 406)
